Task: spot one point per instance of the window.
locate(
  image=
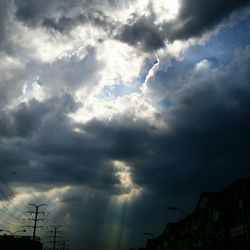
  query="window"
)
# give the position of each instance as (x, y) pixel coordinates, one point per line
(216, 216)
(240, 204)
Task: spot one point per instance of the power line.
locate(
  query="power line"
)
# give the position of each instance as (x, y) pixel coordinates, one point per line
(7, 199)
(9, 191)
(15, 206)
(8, 208)
(6, 185)
(9, 214)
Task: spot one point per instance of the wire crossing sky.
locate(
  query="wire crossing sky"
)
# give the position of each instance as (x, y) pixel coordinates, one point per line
(112, 111)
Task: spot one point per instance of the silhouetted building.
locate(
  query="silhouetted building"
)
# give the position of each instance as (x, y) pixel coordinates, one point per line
(8, 242)
(154, 244)
(221, 221)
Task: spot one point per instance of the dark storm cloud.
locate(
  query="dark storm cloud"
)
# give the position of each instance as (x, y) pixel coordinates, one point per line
(62, 16)
(58, 153)
(65, 24)
(194, 19)
(142, 32)
(197, 17)
(21, 122)
(3, 22)
(207, 136)
(12, 74)
(208, 139)
(6, 26)
(26, 120)
(31, 12)
(85, 158)
(205, 147)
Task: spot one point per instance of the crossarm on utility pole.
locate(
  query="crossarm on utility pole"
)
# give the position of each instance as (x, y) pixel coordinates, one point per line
(36, 219)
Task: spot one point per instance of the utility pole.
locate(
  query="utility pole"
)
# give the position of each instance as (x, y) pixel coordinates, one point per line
(36, 219)
(55, 232)
(65, 245)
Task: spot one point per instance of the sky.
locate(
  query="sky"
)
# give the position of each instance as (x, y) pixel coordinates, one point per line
(112, 111)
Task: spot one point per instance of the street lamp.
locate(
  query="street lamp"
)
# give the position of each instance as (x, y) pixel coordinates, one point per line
(20, 231)
(149, 234)
(12, 234)
(178, 209)
(1, 230)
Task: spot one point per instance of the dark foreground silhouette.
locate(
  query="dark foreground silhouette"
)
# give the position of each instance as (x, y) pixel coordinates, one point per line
(220, 221)
(8, 242)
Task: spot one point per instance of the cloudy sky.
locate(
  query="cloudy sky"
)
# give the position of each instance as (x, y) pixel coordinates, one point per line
(111, 111)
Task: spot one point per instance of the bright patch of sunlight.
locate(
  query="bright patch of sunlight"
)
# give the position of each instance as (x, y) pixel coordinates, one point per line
(166, 10)
(131, 190)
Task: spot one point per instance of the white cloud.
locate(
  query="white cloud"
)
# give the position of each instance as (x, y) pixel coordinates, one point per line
(166, 9)
(202, 66)
(122, 62)
(134, 106)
